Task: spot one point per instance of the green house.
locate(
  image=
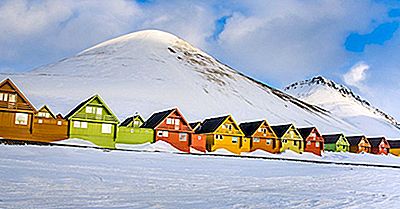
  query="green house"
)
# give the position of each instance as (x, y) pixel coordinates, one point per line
(130, 132)
(336, 143)
(94, 121)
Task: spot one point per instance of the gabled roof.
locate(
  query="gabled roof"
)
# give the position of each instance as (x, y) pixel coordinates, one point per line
(81, 105)
(280, 130)
(331, 138)
(394, 143)
(354, 140)
(305, 132)
(375, 141)
(130, 119)
(211, 124)
(45, 107)
(19, 92)
(157, 118)
(249, 128)
(195, 125)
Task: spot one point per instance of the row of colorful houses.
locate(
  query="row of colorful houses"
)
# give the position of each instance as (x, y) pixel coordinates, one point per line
(94, 121)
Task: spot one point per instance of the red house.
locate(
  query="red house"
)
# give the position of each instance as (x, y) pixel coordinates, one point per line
(379, 145)
(170, 126)
(198, 140)
(313, 140)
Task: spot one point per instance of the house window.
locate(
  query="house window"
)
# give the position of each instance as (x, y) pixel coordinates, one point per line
(160, 133)
(89, 109)
(59, 123)
(229, 126)
(84, 124)
(268, 141)
(176, 121)
(308, 143)
(99, 111)
(77, 124)
(12, 98)
(295, 143)
(198, 137)
(235, 139)
(106, 128)
(5, 97)
(256, 140)
(182, 137)
(170, 121)
(136, 123)
(219, 137)
(40, 121)
(21, 119)
(1, 96)
(165, 133)
(316, 144)
(44, 114)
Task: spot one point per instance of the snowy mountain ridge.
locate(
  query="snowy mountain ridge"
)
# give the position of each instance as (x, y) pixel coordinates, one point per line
(311, 90)
(151, 70)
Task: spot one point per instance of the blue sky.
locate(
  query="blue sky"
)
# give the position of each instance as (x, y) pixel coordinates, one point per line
(277, 42)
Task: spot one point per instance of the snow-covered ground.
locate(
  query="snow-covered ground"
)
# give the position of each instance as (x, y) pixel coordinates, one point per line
(64, 177)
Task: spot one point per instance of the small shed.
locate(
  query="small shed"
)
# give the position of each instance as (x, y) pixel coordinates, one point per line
(379, 145)
(130, 132)
(290, 137)
(48, 127)
(336, 143)
(359, 144)
(170, 126)
(313, 141)
(261, 136)
(224, 133)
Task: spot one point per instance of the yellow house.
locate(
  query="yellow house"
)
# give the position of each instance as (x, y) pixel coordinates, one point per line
(394, 147)
(224, 132)
(290, 138)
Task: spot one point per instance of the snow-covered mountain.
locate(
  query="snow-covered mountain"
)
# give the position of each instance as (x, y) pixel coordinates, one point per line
(343, 103)
(151, 70)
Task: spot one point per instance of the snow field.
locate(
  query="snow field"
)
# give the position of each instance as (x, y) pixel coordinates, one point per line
(61, 177)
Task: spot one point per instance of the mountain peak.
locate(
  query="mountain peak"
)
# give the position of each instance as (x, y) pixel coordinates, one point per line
(145, 36)
(325, 92)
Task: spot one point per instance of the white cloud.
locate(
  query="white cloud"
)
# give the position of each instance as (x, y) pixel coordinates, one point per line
(291, 40)
(357, 75)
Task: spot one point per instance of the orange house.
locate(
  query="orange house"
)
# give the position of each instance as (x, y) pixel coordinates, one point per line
(313, 141)
(48, 127)
(261, 136)
(379, 145)
(16, 113)
(359, 144)
(170, 126)
(199, 141)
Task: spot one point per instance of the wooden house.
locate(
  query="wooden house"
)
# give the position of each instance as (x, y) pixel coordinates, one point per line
(170, 126)
(359, 144)
(199, 141)
(16, 113)
(379, 145)
(394, 147)
(48, 127)
(130, 132)
(290, 138)
(224, 133)
(336, 143)
(261, 136)
(94, 121)
(313, 141)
